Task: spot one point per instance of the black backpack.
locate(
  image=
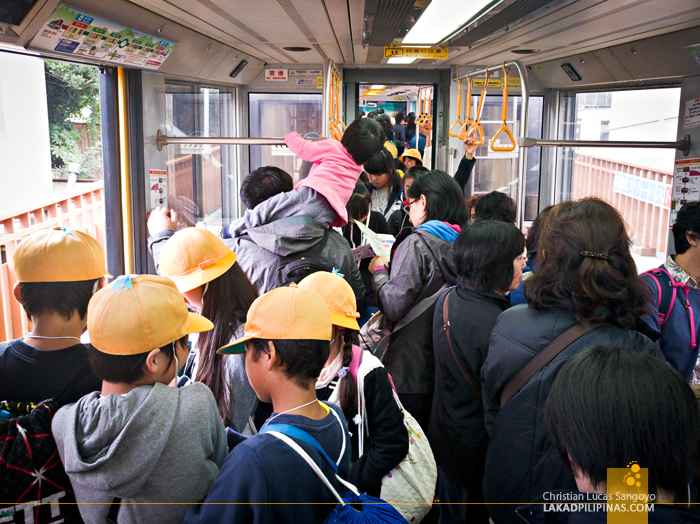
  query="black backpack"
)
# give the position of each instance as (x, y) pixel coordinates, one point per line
(32, 479)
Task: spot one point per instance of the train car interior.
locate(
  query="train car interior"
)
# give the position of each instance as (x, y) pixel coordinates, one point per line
(109, 109)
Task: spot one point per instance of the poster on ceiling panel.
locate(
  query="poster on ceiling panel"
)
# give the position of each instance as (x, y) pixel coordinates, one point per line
(74, 33)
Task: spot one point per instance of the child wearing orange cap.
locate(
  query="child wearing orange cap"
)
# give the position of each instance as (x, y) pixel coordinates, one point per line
(58, 270)
(286, 341)
(357, 381)
(139, 440)
(206, 272)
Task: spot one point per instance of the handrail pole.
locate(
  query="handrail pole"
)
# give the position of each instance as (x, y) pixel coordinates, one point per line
(525, 95)
(164, 140)
(681, 145)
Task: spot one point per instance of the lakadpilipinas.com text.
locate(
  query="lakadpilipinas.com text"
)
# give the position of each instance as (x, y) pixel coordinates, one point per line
(596, 502)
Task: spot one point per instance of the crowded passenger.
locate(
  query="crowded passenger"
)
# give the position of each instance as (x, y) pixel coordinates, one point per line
(587, 275)
(399, 129)
(385, 183)
(412, 158)
(421, 267)
(138, 445)
(58, 270)
(399, 218)
(466, 164)
(387, 127)
(410, 126)
(286, 343)
(471, 202)
(531, 247)
(495, 206)
(359, 211)
(676, 297)
(488, 258)
(357, 381)
(612, 408)
(206, 272)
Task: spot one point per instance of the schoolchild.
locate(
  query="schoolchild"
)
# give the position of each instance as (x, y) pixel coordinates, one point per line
(58, 270)
(205, 271)
(384, 183)
(138, 445)
(286, 342)
(679, 320)
(379, 437)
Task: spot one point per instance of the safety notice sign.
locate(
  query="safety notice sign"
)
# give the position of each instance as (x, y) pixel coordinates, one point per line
(159, 188)
(691, 118)
(75, 33)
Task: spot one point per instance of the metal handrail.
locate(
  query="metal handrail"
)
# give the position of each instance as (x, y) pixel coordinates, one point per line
(681, 145)
(165, 140)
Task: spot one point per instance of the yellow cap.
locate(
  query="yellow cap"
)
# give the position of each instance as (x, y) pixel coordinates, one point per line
(194, 256)
(389, 146)
(412, 153)
(59, 255)
(339, 297)
(138, 313)
(285, 313)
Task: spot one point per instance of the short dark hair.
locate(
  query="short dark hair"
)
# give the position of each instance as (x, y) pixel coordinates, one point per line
(496, 206)
(414, 171)
(608, 407)
(399, 117)
(263, 183)
(599, 290)
(400, 148)
(383, 162)
(302, 360)
(484, 252)
(533, 235)
(63, 298)
(126, 369)
(363, 139)
(444, 198)
(687, 223)
(359, 203)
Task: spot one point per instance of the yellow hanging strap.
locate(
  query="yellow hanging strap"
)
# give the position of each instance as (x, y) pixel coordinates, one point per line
(462, 134)
(504, 124)
(458, 120)
(336, 126)
(419, 120)
(428, 120)
(475, 130)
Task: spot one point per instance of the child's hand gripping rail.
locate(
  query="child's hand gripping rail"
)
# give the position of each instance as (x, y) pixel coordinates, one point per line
(504, 125)
(475, 130)
(421, 113)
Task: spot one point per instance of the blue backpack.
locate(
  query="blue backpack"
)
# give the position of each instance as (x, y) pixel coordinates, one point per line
(353, 507)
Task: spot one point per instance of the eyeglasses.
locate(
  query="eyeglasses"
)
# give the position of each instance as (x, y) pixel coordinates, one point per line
(407, 206)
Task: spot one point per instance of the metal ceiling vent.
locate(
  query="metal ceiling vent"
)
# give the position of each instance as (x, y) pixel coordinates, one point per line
(505, 17)
(387, 20)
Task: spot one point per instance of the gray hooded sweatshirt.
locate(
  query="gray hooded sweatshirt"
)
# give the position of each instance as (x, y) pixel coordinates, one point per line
(153, 444)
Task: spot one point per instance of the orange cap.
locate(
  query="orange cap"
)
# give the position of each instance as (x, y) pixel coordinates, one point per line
(389, 146)
(412, 153)
(59, 255)
(285, 313)
(194, 256)
(338, 295)
(138, 313)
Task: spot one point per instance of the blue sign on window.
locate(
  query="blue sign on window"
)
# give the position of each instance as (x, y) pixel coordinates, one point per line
(642, 189)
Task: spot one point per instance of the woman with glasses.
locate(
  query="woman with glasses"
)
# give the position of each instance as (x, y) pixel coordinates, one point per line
(421, 267)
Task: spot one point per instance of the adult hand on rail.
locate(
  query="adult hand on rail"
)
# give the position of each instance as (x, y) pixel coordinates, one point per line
(162, 219)
(470, 148)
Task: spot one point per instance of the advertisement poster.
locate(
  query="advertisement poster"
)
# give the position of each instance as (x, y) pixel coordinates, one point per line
(686, 184)
(691, 118)
(75, 33)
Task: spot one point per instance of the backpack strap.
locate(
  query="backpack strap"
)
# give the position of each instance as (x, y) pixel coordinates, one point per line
(114, 511)
(465, 370)
(666, 293)
(544, 357)
(300, 434)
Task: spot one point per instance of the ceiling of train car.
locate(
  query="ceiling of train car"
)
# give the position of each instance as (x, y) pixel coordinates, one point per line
(334, 28)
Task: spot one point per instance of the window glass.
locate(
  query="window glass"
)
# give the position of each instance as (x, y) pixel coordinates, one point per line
(202, 186)
(636, 181)
(50, 146)
(275, 115)
(497, 170)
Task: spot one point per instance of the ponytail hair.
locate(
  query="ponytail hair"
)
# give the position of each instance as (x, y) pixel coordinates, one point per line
(348, 385)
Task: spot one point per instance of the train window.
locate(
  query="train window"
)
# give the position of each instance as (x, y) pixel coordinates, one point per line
(275, 115)
(202, 185)
(50, 146)
(498, 171)
(636, 181)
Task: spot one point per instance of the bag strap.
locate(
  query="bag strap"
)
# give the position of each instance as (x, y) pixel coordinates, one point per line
(465, 370)
(544, 357)
(114, 511)
(302, 435)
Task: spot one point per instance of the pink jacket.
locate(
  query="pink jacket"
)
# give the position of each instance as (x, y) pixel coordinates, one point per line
(333, 175)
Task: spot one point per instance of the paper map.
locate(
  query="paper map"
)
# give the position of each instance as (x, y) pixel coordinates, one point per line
(74, 33)
(381, 244)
